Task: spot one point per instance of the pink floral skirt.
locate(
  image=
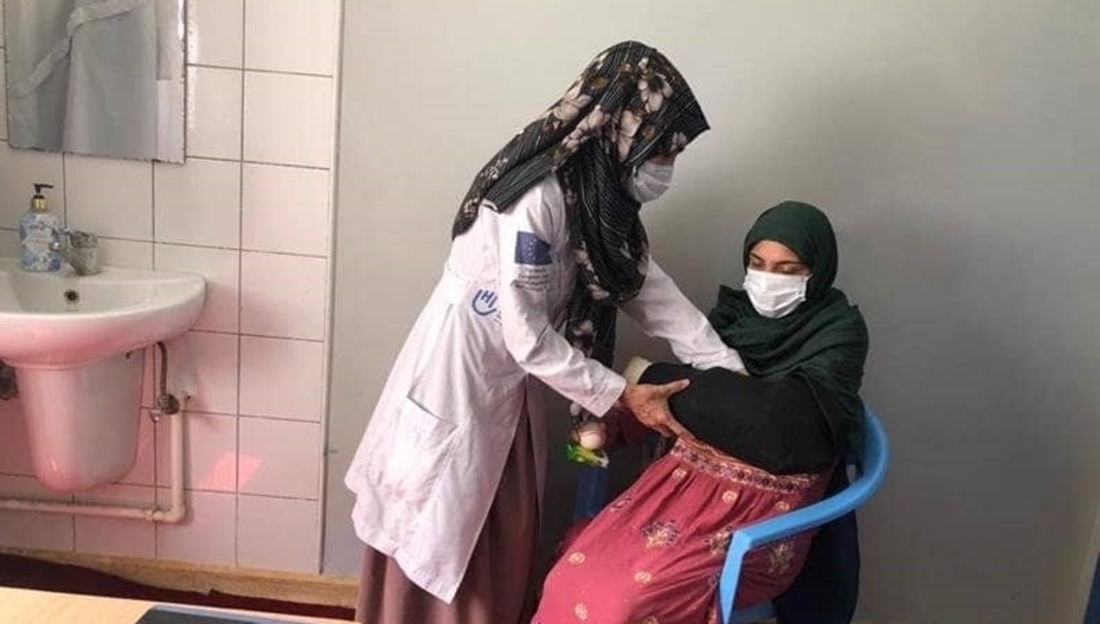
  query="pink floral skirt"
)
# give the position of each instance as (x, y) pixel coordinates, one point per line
(654, 555)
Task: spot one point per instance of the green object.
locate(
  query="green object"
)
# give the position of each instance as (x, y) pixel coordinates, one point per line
(581, 455)
(824, 340)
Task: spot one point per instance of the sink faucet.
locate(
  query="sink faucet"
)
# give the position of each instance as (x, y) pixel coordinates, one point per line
(79, 249)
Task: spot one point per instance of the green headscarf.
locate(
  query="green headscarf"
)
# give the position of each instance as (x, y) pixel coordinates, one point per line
(824, 340)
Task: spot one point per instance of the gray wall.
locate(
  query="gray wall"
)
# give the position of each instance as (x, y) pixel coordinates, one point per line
(954, 144)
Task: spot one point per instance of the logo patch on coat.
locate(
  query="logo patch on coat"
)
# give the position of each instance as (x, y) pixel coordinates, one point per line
(533, 262)
(531, 249)
(484, 303)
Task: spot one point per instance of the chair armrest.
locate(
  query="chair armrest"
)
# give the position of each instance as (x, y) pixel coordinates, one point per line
(784, 525)
(804, 518)
(873, 471)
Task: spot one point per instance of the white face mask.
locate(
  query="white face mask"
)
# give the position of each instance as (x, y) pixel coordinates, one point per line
(649, 182)
(775, 295)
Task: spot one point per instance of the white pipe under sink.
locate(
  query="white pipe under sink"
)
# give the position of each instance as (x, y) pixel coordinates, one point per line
(170, 515)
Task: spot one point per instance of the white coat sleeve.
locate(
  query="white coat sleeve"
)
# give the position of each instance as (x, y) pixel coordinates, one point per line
(664, 311)
(526, 267)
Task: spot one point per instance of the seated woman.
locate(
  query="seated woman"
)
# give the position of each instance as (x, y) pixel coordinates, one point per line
(764, 444)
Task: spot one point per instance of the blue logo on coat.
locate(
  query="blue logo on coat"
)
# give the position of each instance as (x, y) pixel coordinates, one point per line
(484, 302)
(531, 249)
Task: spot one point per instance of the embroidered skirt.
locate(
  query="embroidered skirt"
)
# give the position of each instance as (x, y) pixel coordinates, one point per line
(654, 555)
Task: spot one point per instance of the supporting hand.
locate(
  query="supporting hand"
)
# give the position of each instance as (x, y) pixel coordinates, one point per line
(649, 404)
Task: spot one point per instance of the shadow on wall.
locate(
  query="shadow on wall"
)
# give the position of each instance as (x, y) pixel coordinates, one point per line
(983, 398)
(976, 361)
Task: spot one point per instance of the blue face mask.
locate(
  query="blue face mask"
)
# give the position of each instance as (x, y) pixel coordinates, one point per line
(649, 182)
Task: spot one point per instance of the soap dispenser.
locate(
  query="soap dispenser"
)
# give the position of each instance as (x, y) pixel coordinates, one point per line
(39, 230)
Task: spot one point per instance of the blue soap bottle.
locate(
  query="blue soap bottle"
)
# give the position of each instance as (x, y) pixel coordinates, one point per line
(39, 233)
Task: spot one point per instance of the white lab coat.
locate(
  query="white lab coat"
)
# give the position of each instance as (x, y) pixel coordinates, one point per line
(427, 469)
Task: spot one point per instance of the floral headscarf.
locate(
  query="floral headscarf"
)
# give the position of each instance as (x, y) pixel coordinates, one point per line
(628, 105)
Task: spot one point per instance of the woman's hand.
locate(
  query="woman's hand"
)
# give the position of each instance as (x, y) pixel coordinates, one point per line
(649, 404)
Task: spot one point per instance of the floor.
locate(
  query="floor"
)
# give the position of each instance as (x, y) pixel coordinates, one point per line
(27, 573)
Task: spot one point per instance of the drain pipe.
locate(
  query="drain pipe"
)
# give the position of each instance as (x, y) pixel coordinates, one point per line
(165, 404)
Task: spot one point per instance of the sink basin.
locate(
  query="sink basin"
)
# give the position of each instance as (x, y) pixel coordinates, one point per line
(61, 320)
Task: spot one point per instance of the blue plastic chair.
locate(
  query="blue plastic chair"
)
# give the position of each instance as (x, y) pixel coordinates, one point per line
(870, 472)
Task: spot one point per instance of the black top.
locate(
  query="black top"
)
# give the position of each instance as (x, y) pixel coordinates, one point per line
(774, 424)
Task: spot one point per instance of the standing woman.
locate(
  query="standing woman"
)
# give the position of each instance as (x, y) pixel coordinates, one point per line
(547, 247)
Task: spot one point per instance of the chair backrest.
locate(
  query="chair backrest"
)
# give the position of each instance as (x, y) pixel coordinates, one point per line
(871, 471)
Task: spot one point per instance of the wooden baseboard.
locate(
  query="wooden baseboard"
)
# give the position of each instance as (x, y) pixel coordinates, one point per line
(336, 591)
(339, 591)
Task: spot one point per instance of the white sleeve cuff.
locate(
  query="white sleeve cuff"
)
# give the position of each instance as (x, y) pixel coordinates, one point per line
(600, 402)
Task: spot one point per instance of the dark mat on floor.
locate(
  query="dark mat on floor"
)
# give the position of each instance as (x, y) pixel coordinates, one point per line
(28, 573)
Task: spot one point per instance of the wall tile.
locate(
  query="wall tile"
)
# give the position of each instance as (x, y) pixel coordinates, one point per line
(9, 242)
(144, 464)
(109, 196)
(214, 30)
(24, 529)
(19, 170)
(214, 360)
(271, 135)
(210, 452)
(198, 204)
(283, 295)
(213, 112)
(221, 268)
(207, 533)
(282, 378)
(125, 253)
(116, 536)
(270, 521)
(279, 458)
(285, 209)
(15, 450)
(291, 36)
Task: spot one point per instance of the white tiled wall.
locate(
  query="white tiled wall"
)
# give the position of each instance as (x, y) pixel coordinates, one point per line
(250, 210)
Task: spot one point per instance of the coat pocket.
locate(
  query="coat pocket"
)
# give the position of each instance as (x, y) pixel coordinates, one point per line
(423, 446)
